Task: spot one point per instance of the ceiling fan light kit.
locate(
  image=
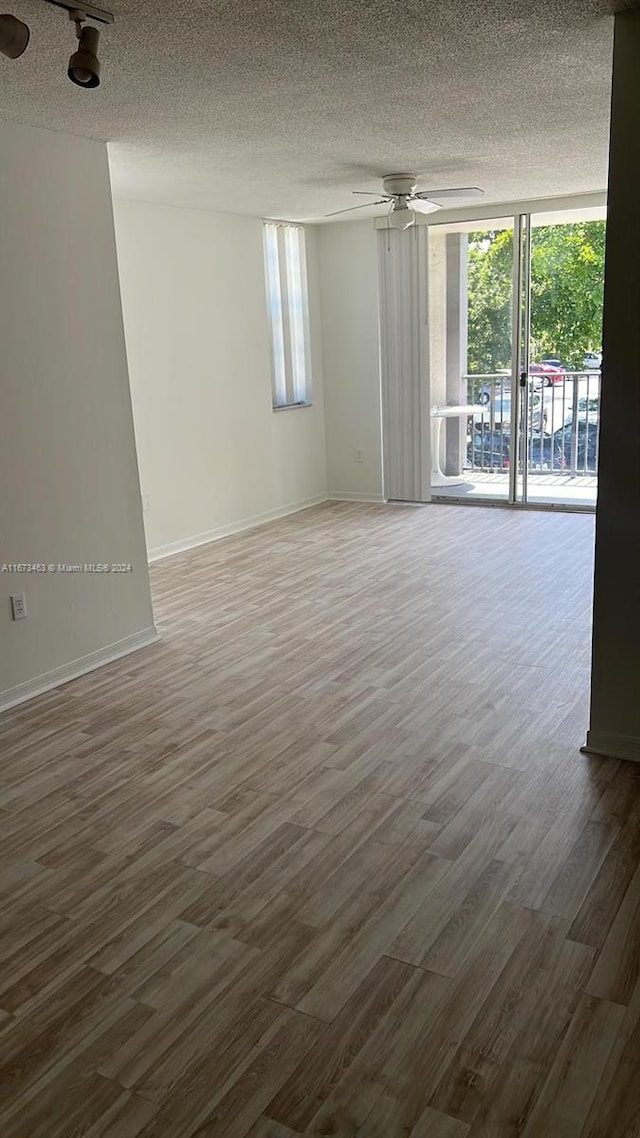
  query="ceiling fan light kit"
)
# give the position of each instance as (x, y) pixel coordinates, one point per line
(401, 216)
(84, 65)
(400, 193)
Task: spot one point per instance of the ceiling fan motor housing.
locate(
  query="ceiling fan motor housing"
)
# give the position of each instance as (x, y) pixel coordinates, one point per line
(404, 184)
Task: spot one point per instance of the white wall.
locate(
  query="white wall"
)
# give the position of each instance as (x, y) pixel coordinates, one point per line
(347, 261)
(213, 454)
(68, 471)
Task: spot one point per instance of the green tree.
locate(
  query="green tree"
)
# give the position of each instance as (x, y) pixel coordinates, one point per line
(567, 282)
(567, 275)
(489, 270)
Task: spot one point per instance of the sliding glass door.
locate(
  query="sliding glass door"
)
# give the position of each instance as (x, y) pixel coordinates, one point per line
(515, 312)
(471, 358)
(564, 352)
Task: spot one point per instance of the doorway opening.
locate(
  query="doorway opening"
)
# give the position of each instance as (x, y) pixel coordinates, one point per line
(515, 318)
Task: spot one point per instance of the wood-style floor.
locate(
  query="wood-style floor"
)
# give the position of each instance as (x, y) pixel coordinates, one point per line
(327, 860)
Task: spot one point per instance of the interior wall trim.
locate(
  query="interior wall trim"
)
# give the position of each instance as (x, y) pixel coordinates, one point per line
(75, 668)
(354, 496)
(612, 746)
(160, 551)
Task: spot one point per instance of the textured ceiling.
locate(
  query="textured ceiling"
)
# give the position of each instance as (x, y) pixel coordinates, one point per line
(281, 107)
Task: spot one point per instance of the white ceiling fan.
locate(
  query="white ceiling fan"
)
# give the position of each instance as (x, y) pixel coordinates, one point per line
(401, 193)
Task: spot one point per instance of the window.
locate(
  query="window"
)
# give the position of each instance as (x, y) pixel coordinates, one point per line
(286, 280)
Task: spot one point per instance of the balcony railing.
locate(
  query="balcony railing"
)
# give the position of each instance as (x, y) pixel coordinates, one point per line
(559, 422)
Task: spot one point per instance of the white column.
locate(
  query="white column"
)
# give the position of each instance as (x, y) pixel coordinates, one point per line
(456, 366)
(615, 680)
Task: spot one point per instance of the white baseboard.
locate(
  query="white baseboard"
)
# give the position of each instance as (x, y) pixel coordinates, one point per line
(186, 543)
(354, 496)
(613, 746)
(75, 668)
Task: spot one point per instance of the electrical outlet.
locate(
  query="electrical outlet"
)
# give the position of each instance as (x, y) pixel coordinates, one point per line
(359, 456)
(146, 503)
(18, 606)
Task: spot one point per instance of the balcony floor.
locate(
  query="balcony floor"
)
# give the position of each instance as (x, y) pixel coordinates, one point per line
(543, 489)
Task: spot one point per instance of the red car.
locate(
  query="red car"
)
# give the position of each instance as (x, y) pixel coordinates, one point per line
(548, 373)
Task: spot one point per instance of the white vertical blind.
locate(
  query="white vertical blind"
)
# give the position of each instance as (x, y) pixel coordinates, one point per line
(286, 279)
(402, 270)
(276, 323)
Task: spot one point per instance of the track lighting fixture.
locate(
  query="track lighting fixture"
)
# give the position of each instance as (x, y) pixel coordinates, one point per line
(84, 65)
(14, 37)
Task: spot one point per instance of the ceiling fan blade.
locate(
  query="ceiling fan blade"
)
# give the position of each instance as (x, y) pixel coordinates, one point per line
(421, 205)
(383, 201)
(369, 193)
(457, 192)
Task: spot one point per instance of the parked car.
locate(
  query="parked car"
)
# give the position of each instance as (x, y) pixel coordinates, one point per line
(586, 445)
(588, 410)
(592, 361)
(490, 450)
(546, 453)
(590, 404)
(560, 445)
(494, 389)
(547, 374)
(487, 449)
(498, 399)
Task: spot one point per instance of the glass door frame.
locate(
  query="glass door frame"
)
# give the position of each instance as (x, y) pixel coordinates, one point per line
(520, 353)
(521, 213)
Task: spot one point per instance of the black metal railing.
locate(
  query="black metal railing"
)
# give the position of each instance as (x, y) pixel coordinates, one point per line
(559, 414)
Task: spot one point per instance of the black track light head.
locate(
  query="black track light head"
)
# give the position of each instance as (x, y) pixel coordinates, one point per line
(14, 37)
